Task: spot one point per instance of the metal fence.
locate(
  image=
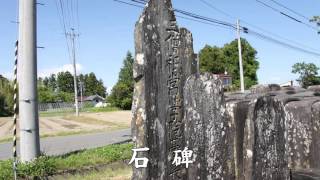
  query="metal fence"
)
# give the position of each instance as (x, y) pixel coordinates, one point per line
(53, 107)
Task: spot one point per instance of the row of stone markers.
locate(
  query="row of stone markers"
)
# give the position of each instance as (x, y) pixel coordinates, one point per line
(277, 133)
(271, 133)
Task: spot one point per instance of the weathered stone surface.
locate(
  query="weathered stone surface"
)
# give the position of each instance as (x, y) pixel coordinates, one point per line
(265, 88)
(237, 115)
(314, 88)
(206, 129)
(315, 143)
(268, 162)
(288, 120)
(302, 124)
(164, 60)
(311, 174)
(259, 135)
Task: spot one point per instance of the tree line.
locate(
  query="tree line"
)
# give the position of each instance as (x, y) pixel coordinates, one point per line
(217, 60)
(60, 87)
(55, 88)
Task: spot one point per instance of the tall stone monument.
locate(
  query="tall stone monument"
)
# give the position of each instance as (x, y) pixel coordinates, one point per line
(164, 59)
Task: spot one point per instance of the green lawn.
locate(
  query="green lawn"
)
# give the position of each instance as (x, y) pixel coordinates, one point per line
(47, 166)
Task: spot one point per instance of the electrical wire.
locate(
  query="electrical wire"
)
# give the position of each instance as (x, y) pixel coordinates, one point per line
(243, 29)
(254, 26)
(196, 16)
(182, 17)
(62, 19)
(291, 10)
(217, 9)
(284, 44)
(287, 15)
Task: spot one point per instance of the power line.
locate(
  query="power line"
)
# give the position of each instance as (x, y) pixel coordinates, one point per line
(291, 10)
(203, 22)
(67, 13)
(287, 15)
(182, 17)
(72, 13)
(284, 44)
(244, 29)
(215, 8)
(205, 18)
(254, 26)
(77, 15)
(61, 14)
(196, 16)
(130, 4)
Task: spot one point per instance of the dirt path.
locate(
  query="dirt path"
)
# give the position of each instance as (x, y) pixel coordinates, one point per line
(69, 124)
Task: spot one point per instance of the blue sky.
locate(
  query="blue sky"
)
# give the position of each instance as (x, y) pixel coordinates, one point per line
(106, 29)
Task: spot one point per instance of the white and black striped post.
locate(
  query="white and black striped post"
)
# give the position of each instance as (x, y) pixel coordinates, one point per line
(15, 109)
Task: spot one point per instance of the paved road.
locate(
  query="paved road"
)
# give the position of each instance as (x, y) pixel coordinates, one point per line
(66, 144)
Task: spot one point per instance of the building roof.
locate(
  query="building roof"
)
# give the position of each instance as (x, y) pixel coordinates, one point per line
(91, 98)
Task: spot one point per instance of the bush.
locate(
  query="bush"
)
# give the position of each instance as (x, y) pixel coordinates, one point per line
(42, 167)
(6, 170)
(46, 166)
(121, 96)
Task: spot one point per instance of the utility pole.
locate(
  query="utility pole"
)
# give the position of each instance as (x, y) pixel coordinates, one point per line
(240, 57)
(72, 35)
(81, 93)
(28, 98)
(198, 63)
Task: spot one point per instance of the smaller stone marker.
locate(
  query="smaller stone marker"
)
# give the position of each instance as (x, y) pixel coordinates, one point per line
(206, 128)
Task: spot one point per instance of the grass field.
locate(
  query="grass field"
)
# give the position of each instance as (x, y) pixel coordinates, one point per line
(99, 163)
(68, 112)
(64, 124)
(114, 171)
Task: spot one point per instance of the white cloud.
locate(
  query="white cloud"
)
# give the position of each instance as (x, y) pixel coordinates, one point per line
(64, 68)
(8, 75)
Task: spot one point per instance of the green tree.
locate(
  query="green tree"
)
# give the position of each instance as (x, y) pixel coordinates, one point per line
(92, 85)
(52, 82)
(45, 95)
(65, 82)
(64, 97)
(122, 92)
(60, 87)
(308, 74)
(218, 60)
(212, 60)
(6, 96)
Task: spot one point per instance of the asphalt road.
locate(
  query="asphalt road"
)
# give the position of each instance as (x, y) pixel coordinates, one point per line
(67, 144)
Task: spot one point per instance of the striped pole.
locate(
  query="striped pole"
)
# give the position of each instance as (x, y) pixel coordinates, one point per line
(15, 109)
